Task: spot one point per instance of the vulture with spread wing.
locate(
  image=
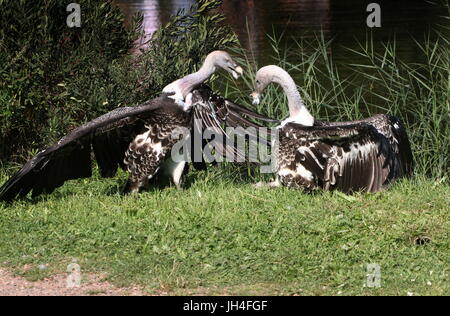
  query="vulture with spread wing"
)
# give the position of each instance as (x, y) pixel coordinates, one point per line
(137, 139)
(364, 155)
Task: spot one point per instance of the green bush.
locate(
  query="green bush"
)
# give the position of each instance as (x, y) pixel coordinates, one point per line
(39, 53)
(175, 50)
(53, 78)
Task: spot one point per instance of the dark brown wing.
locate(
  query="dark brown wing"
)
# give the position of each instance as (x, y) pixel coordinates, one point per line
(394, 132)
(348, 158)
(206, 119)
(108, 136)
(217, 113)
(399, 140)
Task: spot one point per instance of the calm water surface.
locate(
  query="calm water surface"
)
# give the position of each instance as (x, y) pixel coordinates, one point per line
(342, 20)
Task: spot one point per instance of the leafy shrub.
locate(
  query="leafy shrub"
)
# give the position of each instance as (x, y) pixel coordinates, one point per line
(175, 50)
(38, 53)
(53, 78)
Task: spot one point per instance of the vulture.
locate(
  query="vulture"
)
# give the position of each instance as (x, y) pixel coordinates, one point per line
(137, 139)
(356, 156)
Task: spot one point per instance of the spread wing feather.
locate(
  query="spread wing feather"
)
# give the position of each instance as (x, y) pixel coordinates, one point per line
(215, 112)
(349, 158)
(212, 123)
(108, 135)
(396, 138)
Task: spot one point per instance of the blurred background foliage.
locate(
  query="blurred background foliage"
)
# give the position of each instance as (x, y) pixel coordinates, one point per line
(53, 78)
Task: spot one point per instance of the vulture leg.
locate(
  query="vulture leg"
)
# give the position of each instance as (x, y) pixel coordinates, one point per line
(272, 185)
(176, 171)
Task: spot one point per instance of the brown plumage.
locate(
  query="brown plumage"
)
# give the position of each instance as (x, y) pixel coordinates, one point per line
(136, 139)
(349, 157)
(364, 155)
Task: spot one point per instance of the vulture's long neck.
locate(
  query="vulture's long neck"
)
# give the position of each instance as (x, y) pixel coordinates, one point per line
(297, 109)
(188, 83)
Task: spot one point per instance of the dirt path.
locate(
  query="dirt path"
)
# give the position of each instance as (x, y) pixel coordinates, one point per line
(91, 285)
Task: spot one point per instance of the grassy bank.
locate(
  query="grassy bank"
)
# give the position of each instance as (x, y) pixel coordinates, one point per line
(220, 237)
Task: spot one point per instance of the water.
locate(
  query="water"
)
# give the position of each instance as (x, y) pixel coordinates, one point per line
(341, 20)
(156, 12)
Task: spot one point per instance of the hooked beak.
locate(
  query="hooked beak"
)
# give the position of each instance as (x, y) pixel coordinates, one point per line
(237, 72)
(256, 97)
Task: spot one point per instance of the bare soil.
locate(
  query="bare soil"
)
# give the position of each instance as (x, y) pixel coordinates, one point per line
(91, 285)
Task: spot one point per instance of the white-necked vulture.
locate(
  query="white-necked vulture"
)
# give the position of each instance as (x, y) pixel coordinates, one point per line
(137, 139)
(364, 155)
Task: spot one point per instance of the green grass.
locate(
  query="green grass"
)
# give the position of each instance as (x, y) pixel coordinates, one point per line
(225, 237)
(222, 236)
